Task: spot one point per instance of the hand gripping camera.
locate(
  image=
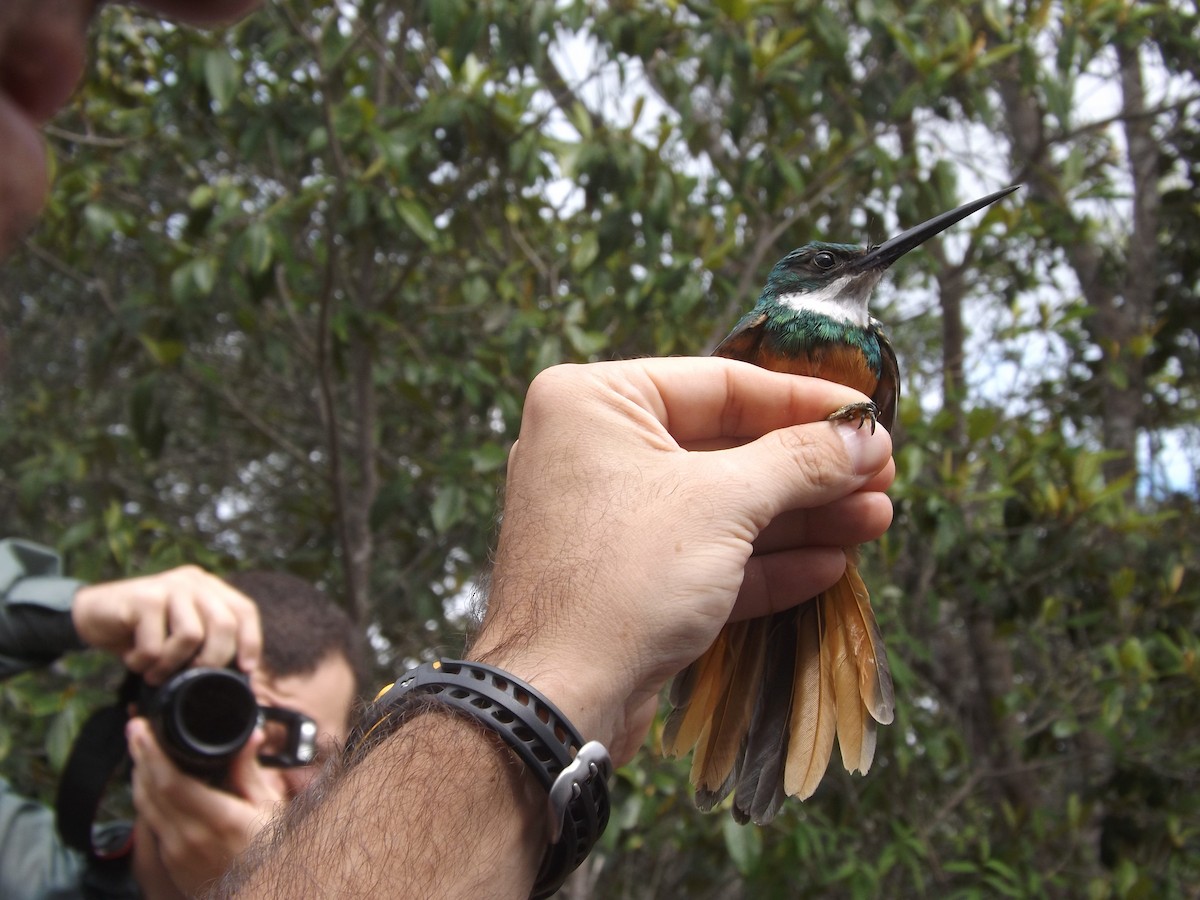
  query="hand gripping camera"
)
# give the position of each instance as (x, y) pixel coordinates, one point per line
(202, 718)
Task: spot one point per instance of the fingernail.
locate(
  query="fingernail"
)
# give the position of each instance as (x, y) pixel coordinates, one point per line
(867, 451)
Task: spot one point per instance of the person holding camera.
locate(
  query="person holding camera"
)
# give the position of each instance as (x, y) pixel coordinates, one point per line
(265, 639)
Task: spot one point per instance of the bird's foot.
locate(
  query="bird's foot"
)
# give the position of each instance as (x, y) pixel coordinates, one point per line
(860, 411)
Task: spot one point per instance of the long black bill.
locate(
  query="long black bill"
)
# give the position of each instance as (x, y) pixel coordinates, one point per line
(883, 255)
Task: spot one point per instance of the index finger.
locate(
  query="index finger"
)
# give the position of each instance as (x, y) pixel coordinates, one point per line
(249, 627)
(702, 398)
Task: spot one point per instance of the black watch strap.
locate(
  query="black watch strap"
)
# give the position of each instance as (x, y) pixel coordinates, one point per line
(574, 773)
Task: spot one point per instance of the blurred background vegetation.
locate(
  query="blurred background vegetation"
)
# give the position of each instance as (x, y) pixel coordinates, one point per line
(296, 276)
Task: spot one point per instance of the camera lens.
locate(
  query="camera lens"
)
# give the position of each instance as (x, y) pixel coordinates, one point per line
(203, 717)
(215, 714)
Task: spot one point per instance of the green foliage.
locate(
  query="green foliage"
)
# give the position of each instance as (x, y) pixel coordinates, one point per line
(295, 278)
(41, 713)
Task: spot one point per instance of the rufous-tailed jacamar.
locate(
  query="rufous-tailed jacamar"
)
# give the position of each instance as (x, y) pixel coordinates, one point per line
(761, 707)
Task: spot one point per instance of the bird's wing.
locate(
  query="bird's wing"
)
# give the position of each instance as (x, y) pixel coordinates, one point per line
(887, 392)
(742, 343)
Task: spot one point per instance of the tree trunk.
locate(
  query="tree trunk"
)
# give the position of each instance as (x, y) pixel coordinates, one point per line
(951, 290)
(1124, 324)
(1120, 316)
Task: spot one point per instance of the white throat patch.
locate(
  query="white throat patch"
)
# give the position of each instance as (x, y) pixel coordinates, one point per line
(843, 300)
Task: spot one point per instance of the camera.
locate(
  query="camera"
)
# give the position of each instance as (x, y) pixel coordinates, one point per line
(203, 717)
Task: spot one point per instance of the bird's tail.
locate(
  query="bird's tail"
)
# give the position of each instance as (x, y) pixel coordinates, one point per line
(763, 704)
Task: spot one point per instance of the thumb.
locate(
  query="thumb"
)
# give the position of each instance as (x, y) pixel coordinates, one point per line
(249, 778)
(804, 466)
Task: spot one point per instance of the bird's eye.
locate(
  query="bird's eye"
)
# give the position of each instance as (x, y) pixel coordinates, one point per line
(824, 260)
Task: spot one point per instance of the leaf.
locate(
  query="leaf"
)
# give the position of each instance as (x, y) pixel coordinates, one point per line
(146, 416)
(204, 275)
(181, 284)
(163, 352)
(417, 218)
(1122, 582)
(1064, 728)
(488, 458)
(100, 221)
(788, 170)
(584, 251)
(549, 353)
(449, 505)
(202, 196)
(1134, 658)
(61, 734)
(476, 291)
(222, 76)
(585, 343)
(744, 844)
(444, 16)
(1001, 53)
(258, 248)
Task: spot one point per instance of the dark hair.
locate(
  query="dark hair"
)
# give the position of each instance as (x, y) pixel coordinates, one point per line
(301, 625)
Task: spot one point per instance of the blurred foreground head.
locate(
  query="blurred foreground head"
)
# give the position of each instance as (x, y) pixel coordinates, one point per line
(42, 47)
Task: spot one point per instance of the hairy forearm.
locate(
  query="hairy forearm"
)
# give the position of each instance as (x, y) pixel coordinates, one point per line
(440, 808)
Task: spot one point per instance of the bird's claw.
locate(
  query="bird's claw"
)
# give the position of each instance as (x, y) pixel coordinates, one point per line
(861, 411)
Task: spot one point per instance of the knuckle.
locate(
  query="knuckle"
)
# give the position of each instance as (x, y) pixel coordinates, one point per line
(187, 631)
(220, 618)
(552, 379)
(186, 571)
(551, 385)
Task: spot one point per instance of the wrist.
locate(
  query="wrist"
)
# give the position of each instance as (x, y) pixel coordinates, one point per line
(572, 771)
(79, 621)
(87, 616)
(591, 702)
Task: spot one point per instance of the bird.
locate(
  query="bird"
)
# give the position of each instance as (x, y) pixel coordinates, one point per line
(762, 706)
